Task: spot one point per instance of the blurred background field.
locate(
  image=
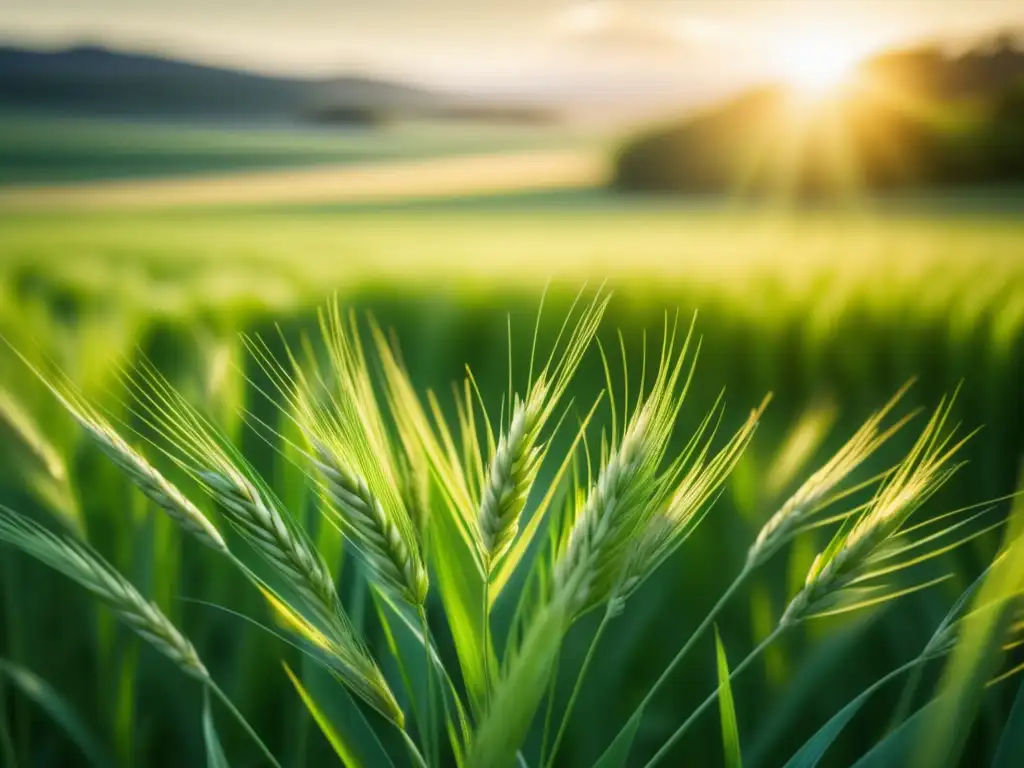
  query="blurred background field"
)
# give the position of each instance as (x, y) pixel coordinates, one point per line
(155, 207)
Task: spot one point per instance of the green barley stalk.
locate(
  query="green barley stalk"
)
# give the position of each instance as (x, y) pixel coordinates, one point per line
(239, 495)
(874, 545)
(369, 485)
(871, 546)
(144, 475)
(79, 563)
(516, 459)
(261, 519)
(131, 462)
(685, 509)
(358, 474)
(630, 487)
(792, 516)
(942, 642)
(511, 473)
(82, 564)
(487, 498)
(813, 493)
(666, 531)
(18, 429)
(366, 484)
(387, 552)
(37, 462)
(362, 472)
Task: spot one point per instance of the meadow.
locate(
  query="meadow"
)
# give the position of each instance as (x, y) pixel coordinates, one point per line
(830, 311)
(38, 149)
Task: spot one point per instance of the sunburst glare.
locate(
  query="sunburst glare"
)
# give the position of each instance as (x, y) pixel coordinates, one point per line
(818, 62)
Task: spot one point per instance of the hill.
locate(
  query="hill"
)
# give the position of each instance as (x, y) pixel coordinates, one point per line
(93, 81)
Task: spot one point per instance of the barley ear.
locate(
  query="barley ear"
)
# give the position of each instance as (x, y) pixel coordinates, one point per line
(258, 515)
(80, 563)
(368, 526)
(358, 463)
(630, 487)
(799, 508)
(516, 459)
(36, 462)
(510, 476)
(18, 430)
(133, 464)
(852, 571)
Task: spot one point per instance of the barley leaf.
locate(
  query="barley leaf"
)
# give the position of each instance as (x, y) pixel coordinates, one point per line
(408, 650)
(977, 652)
(897, 747)
(461, 586)
(618, 752)
(727, 709)
(519, 693)
(215, 757)
(814, 748)
(1011, 747)
(39, 691)
(337, 727)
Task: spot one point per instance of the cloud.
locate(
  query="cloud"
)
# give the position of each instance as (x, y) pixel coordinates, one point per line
(620, 26)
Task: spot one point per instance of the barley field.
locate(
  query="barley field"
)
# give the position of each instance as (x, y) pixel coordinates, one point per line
(258, 540)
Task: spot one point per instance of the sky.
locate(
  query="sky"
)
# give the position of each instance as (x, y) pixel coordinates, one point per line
(510, 46)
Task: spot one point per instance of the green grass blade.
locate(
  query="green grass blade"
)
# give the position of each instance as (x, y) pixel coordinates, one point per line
(617, 754)
(215, 757)
(727, 709)
(408, 652)
(814, 748)
(977, 653)
(1011, 746)
(517, 696)
(461, 586)
(898, 747)
(51, 702)
(339, 728)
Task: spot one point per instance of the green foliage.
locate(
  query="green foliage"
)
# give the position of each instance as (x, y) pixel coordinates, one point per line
(727, 709)
(215, 757)
(977, 655)
(490, 680)
(59, 709)
(1011, 746)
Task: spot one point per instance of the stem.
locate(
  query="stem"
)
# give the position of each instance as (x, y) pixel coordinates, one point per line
(906, 697)
(576, 688)
(486, 633)
(681, 730)
(414, 753)
(447, 686)
(430, 723)
(552, 685)
(242, 721)
(694, 636)
(403, 670)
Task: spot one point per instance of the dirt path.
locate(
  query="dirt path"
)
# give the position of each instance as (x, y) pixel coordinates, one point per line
(376, 182)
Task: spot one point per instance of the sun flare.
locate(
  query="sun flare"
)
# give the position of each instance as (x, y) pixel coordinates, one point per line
(818, 64)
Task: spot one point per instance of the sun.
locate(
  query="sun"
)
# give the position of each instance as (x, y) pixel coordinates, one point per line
(817, 64)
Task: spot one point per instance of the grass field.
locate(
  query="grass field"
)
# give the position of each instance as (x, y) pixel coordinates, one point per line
(46, 150)
(816, 306)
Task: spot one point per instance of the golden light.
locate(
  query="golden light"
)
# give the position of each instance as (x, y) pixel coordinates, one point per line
(818, 64)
